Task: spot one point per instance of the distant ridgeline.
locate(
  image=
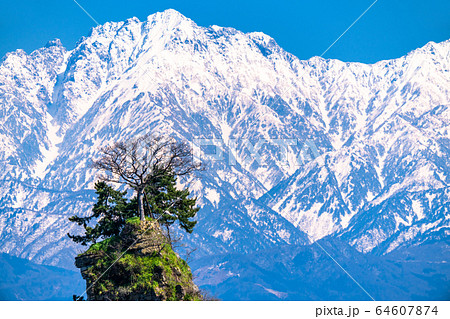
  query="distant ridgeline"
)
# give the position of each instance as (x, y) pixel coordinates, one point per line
(379, 190)
(22, 279)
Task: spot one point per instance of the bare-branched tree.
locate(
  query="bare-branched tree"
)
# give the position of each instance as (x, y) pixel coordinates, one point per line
(142, 161)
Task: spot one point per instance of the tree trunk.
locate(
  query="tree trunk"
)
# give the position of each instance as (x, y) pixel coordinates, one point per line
(140, 199)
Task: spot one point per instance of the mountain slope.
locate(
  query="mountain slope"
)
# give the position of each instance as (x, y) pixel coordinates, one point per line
(24, 280)
(306, 273)
(382, 133)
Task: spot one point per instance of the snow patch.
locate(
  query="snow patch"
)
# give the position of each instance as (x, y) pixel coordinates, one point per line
(279, 294)
(224, 234)
(418, 209)
(51, 153)
(213, 196)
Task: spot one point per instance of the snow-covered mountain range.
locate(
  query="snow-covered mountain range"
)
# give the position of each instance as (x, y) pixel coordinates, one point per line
(310, 148)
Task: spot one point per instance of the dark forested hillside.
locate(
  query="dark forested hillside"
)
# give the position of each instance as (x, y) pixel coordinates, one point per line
(23, 280)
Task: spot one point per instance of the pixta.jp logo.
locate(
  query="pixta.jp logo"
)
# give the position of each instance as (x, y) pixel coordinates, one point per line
(285, 152)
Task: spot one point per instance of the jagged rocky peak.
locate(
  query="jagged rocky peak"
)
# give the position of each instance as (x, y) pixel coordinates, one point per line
(382, 129)
(163, 26)
(167, 20)
(54, 42)
(167, 16)
(149, 270)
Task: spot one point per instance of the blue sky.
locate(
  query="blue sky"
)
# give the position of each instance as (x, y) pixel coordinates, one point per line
(305, 28)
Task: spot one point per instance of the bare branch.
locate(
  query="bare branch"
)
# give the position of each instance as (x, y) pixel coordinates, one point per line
(141, 161)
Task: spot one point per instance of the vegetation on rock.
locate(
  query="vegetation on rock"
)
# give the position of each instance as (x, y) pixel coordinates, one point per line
(137, 264)
(134, 259)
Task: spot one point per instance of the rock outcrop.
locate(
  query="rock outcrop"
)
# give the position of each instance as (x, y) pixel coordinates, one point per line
(139, 264)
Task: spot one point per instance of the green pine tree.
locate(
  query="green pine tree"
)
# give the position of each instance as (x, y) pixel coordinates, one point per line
(110, 213)
(164, 202)
(168, 204)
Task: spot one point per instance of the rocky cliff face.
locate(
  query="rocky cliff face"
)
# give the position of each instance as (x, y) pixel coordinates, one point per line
(148, 268)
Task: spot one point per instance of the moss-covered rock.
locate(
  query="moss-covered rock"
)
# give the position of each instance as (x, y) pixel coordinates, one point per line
(139, 264)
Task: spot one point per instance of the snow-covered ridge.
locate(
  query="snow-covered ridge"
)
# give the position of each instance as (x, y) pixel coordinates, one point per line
(382, 131)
